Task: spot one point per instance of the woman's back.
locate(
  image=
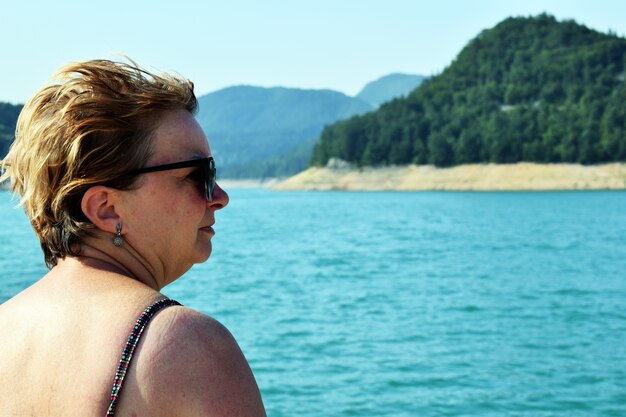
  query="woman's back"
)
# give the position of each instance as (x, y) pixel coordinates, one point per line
(63, 338)
(62, 341)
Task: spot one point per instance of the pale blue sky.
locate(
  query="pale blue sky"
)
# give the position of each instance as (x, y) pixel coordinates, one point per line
(309, 44)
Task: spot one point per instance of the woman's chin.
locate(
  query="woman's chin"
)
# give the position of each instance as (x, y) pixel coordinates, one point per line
(206, 253)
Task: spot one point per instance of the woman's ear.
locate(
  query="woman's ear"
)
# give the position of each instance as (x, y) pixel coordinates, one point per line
(98, 205)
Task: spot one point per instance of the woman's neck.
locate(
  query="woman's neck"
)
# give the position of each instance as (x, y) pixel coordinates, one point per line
(125, 263)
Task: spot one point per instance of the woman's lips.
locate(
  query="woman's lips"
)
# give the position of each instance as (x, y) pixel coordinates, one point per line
(208, 229)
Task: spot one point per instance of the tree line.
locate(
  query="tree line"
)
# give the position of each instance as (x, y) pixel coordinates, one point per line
(530, 89)
(8, 119)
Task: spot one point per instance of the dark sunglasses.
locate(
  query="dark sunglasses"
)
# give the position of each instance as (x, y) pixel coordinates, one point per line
(205, 175)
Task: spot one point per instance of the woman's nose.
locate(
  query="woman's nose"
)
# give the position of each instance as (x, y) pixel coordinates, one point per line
(220, 198)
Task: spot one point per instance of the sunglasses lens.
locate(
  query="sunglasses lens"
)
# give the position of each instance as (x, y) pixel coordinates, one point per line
(210, 179)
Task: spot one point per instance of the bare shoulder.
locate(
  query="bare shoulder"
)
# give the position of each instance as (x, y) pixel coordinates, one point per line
(189, 364)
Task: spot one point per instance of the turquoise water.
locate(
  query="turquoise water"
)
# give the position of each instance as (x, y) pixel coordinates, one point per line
(411, 304)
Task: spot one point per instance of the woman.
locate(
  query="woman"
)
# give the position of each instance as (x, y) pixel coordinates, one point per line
(118, 181)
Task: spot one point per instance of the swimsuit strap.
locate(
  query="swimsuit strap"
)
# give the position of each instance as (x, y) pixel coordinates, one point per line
(131, 344)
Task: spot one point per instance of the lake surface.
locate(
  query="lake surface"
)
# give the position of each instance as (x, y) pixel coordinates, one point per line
(410, 304)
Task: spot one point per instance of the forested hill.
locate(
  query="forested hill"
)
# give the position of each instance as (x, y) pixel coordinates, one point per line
(529, 89)
(8, 119)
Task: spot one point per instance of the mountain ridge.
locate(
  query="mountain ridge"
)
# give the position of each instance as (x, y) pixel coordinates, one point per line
(255, 132)
(388, 87)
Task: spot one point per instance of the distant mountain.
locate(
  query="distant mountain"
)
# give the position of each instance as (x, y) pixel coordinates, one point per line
(258, 132)
(530, 89)
(389, 87)
(8, 119)
(252, 129)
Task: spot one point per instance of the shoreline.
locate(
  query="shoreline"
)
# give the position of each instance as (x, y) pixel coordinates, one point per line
(521, 176)
(228, 183)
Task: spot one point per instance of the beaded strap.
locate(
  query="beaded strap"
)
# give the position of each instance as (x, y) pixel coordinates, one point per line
(131, 344)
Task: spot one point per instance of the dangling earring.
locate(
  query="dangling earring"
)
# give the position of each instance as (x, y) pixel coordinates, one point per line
(118, 240)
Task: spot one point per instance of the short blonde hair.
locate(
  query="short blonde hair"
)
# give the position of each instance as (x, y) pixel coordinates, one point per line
(89, 127)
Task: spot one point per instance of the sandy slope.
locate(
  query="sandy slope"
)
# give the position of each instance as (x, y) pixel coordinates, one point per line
(478, 177)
